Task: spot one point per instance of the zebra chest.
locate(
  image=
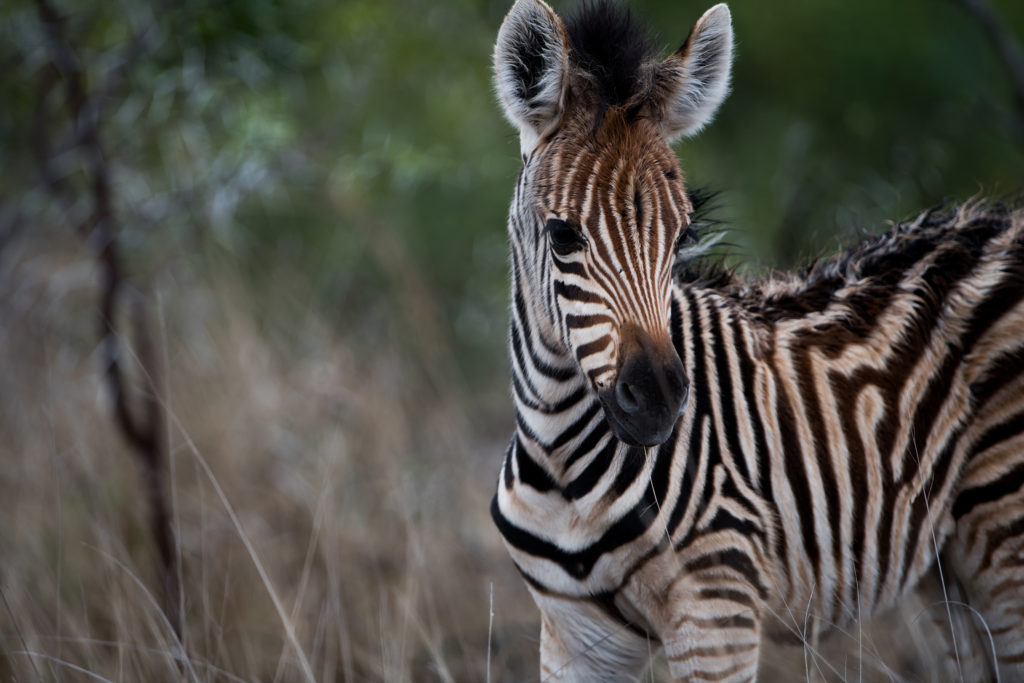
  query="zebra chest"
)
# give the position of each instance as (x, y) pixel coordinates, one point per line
(573, 548)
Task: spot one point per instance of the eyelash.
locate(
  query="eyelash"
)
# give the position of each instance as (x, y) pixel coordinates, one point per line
(563, 238)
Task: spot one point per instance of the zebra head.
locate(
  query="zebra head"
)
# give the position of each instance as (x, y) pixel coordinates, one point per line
(599, 205)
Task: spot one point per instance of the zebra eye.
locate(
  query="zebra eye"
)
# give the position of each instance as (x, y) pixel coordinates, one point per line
(564, 240)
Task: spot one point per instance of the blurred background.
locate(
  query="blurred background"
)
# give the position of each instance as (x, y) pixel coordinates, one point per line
(308, 296)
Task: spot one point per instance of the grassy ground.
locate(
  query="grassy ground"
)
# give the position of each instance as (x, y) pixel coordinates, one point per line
(344, 485)
(330, 497)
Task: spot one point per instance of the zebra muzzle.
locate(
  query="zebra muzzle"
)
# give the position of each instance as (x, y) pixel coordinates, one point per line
(649, 393)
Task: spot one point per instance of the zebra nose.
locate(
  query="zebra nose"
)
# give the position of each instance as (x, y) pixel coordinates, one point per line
(649, 393)
(649, 396)
(644, 385)
(628, 389)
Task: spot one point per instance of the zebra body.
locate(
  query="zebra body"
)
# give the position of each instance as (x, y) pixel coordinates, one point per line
(707, 462)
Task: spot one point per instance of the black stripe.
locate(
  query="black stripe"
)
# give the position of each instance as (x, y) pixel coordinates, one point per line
(690, 470)
(574, 563)
(594, 373)
(573, 321)
(724, 519)
(928, 408)
(520, 392)
(729, 594)
(574, 293)
(1001, 299)
(734, 559)
(792, 456)
(1008, 483)
(889, 382)
(725, 393)
(626, 529)
(922, 436)
(762, 454)
(700, 385)
(509, 479)
(1006, 429)
(520, 370)
(571, 268)
(996, 537)
(856, 469)
(520, 308)
(676, 328)
(584, 483)
(811, 401)
(567, 402)
(559, 374)
(700, 389)
(574, 430)
(932, 486)
(530, 473)
(590, 348)
(632, 464)
(884, 535)
(599, 431)
(1000, 372)
(606, 601)
(524, 428)
(729, 489)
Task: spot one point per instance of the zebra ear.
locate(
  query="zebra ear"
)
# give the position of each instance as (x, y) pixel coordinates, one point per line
(693, 82)
(530, 66)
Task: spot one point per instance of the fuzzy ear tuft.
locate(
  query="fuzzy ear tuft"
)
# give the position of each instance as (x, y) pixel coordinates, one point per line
(694, 81)
(530, 68)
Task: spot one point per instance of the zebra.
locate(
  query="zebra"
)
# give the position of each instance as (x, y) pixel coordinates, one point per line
(714, 464)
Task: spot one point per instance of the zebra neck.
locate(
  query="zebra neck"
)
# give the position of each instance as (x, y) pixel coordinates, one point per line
(559, 419)
(550, 392)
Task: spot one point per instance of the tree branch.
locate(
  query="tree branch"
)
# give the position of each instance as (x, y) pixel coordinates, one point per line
(144, 429)
(1006, 46)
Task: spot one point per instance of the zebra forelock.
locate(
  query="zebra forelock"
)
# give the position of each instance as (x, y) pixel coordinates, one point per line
(610, 51)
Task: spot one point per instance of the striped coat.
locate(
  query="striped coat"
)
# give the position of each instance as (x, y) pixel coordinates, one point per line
(705, 462)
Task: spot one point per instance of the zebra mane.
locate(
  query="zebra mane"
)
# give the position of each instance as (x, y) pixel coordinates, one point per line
(697, 263)
(878, 262)
(610, 47)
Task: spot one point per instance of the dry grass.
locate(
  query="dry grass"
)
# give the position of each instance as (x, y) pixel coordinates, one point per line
(294, 453)
(330, 500)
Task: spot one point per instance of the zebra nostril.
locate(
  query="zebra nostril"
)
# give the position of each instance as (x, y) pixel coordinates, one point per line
(626, 397)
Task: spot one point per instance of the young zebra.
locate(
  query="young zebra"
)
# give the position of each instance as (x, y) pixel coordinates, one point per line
(706, 464)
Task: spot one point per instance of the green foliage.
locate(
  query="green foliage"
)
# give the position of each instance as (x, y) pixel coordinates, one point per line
(846, 116)
(321, 137)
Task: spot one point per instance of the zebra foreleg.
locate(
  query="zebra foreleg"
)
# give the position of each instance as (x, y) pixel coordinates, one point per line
(579, 644)
(947, 630)
(995, 591)
(717, 638)
(987, 553)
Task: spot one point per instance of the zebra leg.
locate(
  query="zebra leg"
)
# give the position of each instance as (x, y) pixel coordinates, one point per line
(955, 648)
(987, 551)
(578, 643)
(715, 638)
